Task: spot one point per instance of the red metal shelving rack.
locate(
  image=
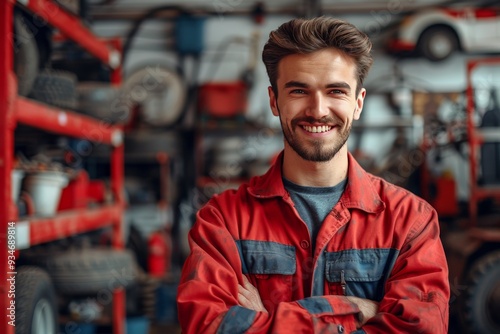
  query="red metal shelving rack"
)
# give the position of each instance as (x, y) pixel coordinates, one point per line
(476, 138)
(15, 109)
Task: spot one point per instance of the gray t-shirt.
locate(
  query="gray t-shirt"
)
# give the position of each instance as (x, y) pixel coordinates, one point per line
(314, 203)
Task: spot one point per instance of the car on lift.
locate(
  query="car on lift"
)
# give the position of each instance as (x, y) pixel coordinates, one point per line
(436, 33)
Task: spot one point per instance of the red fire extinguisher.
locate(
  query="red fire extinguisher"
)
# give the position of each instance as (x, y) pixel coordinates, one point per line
(160, 250)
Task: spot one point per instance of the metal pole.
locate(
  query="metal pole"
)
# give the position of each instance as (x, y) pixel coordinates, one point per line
(8, 90)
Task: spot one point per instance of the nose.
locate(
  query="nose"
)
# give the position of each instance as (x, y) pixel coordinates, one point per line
(317, 106)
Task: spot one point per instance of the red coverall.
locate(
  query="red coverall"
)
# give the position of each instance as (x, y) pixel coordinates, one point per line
(379, 242)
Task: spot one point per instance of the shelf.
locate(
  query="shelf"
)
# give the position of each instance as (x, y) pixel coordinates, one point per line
(42, 116)
(487, 234)
(476, 137)
(487, 191)
(32, 231)
(72, 27)
(147, 144)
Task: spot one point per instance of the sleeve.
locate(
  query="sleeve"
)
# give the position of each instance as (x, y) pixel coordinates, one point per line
(417, 291)
(207, 293)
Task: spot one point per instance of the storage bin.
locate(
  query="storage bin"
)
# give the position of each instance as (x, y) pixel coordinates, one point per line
(223, 99)
(74, 196)
(45, 190)
(189, 34)
(17, 178)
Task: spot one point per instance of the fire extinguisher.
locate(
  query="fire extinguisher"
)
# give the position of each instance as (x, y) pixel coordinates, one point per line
(160, 250)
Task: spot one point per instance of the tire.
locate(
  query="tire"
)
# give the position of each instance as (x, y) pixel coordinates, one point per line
(101, 100)
(36, 311)
(438, 43)
(26, 55)
(482, 298)
(88, 271)
(57, 88)
(161, 93)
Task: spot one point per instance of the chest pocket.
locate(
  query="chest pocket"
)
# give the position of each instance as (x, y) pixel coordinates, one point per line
(270, 267)
(363, 272)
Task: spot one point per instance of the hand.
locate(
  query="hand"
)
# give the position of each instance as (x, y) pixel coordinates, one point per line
(248, 296)
(368, 309)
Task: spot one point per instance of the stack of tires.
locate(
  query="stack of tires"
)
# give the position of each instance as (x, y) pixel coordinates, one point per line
(80, 273)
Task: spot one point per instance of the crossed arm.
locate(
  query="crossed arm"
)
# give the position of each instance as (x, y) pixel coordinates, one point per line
(248, 297)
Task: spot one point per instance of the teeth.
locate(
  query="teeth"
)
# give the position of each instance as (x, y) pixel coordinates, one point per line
(317, 129)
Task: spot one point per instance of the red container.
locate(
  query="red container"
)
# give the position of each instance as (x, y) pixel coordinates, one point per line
(96, 191)
(74, 195)
(223, 99)
(445, 201)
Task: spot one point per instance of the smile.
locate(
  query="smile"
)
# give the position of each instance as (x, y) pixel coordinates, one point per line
(317, 129)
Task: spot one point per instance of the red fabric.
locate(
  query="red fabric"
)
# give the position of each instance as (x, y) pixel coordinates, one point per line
(371, 214)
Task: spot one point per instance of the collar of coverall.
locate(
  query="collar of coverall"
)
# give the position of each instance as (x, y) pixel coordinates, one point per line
(359, 192)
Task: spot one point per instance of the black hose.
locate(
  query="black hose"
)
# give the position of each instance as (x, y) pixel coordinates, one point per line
(138, 23)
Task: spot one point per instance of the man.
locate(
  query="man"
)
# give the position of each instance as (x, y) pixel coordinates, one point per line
(316, 245)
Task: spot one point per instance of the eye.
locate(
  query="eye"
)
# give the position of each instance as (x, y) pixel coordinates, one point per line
(297, 91)
(337, 92)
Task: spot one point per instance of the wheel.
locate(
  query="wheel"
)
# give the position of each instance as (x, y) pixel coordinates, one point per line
(26, 56)
(35, 302)
(100, 100)
(160, 92)
(87, 271)
(438, 43)
(482, 298)
(57, 88)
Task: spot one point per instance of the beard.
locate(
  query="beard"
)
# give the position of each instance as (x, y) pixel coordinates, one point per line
(316, 150)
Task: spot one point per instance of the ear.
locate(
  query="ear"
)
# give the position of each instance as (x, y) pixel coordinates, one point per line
(359, 103)
(273, 103)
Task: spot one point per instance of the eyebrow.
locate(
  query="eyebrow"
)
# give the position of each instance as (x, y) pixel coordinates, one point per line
(341, 84)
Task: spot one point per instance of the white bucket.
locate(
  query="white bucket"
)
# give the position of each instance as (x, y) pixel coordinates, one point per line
(45, 190)
(16, 178)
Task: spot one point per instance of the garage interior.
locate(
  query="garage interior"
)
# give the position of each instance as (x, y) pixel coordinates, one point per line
(120, 119)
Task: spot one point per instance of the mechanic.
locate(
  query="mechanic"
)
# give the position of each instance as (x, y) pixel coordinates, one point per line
(317, 244)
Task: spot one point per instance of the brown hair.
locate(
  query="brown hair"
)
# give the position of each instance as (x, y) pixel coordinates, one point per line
(302, 36)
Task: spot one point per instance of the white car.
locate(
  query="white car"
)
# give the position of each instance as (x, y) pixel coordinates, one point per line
(437, 33)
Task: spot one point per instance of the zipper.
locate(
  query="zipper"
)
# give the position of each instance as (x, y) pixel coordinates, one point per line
(342, 282)
(288, 199)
